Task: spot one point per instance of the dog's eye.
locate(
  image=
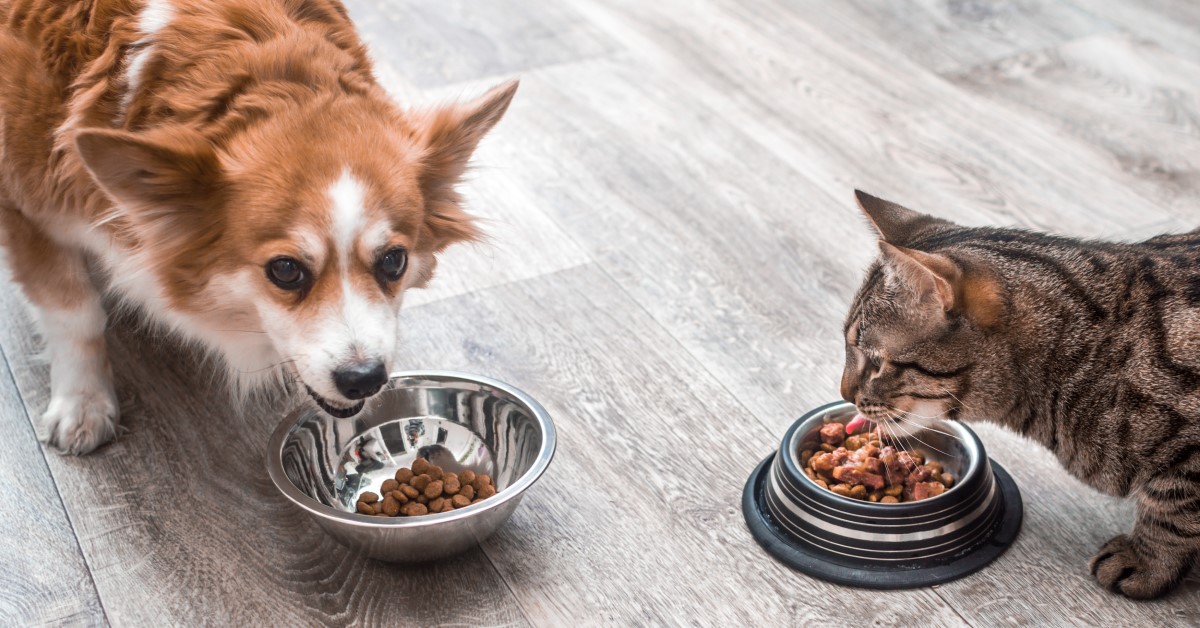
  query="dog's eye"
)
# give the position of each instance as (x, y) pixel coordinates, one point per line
(287, 273)
(392, 264)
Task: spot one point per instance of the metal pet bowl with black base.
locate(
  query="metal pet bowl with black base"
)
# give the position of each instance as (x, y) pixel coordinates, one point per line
(876, 545)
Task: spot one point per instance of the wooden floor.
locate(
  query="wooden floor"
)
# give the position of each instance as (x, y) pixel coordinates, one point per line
(674, 244)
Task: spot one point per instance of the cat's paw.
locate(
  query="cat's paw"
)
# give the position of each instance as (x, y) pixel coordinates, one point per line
(1124, 567)
(79, 422)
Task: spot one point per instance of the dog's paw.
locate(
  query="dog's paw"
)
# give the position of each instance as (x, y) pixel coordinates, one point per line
(1123, 566)
(80, 422)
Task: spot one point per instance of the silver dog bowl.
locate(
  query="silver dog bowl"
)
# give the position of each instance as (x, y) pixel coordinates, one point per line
(454, 420)
(884, 546)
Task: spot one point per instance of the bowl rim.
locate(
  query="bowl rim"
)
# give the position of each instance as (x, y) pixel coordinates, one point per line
(315, 508)
(791, 459)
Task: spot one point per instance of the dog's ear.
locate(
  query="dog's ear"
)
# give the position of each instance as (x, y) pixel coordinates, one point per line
(157, 179)
(448, 136)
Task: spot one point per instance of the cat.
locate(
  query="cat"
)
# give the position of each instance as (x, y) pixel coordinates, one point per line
(1090, 348)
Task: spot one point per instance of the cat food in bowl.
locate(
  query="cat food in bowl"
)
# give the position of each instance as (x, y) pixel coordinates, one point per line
(857, 542)
(495, 440)
(868, 467)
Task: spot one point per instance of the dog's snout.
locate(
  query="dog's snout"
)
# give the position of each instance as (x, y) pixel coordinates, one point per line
(360, 380)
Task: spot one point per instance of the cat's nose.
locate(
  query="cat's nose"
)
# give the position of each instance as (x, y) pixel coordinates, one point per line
(849, 387)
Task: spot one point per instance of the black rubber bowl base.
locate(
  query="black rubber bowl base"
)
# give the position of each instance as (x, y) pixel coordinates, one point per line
(837, 569)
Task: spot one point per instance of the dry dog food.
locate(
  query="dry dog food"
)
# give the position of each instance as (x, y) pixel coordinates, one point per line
(861, 467)
(425, 489)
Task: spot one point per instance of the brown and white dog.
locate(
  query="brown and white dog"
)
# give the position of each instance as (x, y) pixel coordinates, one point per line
(234, 170)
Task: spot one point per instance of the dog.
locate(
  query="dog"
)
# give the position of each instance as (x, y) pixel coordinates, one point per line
(233, 170)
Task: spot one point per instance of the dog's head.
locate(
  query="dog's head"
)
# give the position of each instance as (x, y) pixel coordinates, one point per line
(293, 243)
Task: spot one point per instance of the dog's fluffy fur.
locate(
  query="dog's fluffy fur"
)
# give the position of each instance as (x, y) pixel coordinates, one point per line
(184, 146)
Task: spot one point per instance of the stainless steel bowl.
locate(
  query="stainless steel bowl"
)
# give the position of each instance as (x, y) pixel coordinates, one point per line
(456, 421)
(884, 545)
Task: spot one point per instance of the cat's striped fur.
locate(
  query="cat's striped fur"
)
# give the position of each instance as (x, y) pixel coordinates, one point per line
(1090, 348)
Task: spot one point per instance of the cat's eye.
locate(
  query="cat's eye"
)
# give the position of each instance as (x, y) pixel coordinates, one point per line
(287, 273)
(391, 265)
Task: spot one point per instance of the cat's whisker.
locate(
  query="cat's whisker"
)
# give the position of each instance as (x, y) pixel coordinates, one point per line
(955, 397)
(926, 427)
(918, 438)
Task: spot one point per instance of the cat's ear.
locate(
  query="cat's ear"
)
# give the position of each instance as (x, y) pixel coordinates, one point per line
(936, 278)
(895, 223)
(929, 275)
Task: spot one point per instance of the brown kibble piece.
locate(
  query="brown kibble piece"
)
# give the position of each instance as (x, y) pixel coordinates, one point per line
(858, 491)
(404, 475)
(368, 497)
(364, 508)
(805, 455)
(467, 491)
(409, 491)
(487, 491)
(399, 496)
(460, 501)
(435, 505)
(946, 479)
(451, 484)
(413, 509)
(466, 476)
(377, 507)
(841, 489)
(434, 472)
(433, 489)
(485, 478)
(421, 481)
(389, 486)
(476, 501)
(889, 499)
(826, 447)
(420, 465)
(894, 490)
(391, 507)
(422, 499)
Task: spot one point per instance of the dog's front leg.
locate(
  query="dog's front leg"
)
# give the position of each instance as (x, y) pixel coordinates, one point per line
(83, 409)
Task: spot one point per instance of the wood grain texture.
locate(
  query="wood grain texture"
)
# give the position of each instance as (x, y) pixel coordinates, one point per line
(1173, 24)
(1130, 98)
(948, 35)
(44, 579)
(431, 44)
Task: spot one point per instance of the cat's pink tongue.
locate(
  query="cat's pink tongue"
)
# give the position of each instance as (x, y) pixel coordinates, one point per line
(855, 423)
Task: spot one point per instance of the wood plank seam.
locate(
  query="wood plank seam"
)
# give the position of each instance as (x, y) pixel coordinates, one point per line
(57, 489)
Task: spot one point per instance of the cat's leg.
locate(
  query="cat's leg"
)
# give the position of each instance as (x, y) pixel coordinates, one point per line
(1164, 543)
(83, 409)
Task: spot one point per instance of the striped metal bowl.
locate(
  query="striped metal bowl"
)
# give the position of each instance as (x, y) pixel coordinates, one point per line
(884, 546)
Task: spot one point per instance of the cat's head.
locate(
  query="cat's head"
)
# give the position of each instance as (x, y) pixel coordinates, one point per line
(922, 335)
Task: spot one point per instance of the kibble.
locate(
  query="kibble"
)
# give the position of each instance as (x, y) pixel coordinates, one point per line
(426, 488)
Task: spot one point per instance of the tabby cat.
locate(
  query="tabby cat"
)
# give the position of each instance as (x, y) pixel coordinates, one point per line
(1090, 348)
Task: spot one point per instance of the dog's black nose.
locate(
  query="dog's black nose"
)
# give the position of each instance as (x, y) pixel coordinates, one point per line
(360, 379)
